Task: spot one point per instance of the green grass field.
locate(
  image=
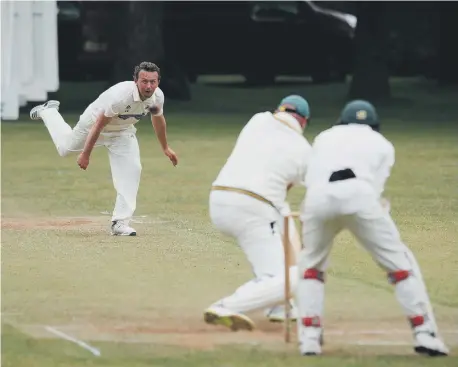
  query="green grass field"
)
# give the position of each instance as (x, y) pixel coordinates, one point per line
(139, 300)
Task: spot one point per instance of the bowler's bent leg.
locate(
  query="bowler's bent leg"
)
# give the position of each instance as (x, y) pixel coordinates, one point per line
(66, 139)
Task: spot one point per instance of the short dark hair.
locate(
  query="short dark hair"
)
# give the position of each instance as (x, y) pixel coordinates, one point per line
(147, 66)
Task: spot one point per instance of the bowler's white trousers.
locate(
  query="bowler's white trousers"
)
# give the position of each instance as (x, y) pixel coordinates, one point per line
(257, 227)
(353, 204)
(123, 153)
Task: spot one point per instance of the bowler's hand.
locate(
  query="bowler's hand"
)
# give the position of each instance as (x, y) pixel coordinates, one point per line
(172, 155)
(83, 160)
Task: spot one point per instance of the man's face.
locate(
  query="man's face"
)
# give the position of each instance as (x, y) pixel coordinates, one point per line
(147, 83)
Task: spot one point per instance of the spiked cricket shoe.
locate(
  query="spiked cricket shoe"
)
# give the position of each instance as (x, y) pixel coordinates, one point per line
(278, 314)
(428, 344)
(35, 112)
(121, 228)
(232, 320)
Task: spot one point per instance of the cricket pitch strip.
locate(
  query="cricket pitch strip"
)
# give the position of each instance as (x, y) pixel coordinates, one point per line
(267, 335)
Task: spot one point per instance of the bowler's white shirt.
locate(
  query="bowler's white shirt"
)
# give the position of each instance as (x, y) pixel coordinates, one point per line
(355, 146)
(122, 102)
(267, 157)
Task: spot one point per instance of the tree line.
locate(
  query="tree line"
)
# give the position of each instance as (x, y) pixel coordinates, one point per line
(136, 34)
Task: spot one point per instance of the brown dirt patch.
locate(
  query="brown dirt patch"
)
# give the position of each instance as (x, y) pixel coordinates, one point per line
(51, 223)
(187, 326)
(197, 335)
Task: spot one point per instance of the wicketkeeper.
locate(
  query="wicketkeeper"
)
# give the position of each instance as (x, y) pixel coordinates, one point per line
(348, 167)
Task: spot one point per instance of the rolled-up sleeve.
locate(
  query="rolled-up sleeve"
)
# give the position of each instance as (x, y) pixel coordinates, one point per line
(159, 103)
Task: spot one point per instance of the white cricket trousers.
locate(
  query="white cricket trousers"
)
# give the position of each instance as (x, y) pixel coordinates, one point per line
(354, 205)
(257, 228)
(123, 153)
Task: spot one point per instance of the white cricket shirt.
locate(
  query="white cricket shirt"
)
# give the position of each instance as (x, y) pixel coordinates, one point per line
(267, 157)
(368, 153)
(122, 102)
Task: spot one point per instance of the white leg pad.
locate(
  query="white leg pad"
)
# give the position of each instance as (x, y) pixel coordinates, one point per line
(310, 298)
(412, 300)
(416, 272)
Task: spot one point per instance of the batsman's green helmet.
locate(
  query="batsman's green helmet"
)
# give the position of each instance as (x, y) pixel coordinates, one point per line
(359, 112)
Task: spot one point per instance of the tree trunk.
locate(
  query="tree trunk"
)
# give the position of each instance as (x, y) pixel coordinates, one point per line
(136, 37)
(370, 71)
(448, 55)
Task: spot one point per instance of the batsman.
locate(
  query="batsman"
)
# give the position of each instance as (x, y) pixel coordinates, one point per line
(348, 168)
(248, 202)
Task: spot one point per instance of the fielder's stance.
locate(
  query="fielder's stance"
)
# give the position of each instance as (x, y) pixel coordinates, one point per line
(247, 201)
(109, 121)
(345, 179)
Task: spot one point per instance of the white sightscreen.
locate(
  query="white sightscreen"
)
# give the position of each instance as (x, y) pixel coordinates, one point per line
(29, 56)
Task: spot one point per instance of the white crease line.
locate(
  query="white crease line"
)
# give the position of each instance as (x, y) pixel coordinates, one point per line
(151, 221)
(380, 343)
(70, 338)
(334, 332)
(138, 219)
(380, 332)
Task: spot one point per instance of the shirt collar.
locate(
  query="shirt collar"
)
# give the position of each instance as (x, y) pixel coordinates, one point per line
(289, 121)
(136, 96)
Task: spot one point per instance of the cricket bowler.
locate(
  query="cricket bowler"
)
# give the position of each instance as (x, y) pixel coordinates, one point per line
(248, 201)
(348, 167)
(109, 121)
